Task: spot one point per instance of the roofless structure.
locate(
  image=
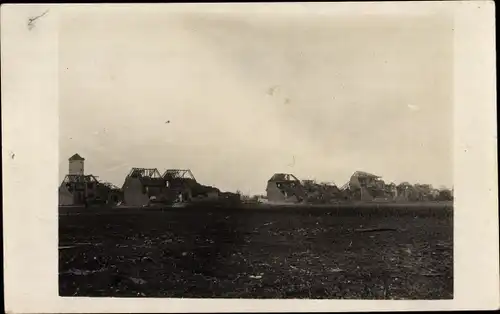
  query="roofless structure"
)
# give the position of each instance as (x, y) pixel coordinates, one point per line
(286, 188)
(77, 188)
(180, 184)
(142, 185)
(172, 174)
(366, 186)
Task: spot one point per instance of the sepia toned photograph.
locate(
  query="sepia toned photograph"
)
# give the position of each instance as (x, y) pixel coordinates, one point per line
(256, 156)
(268, 157)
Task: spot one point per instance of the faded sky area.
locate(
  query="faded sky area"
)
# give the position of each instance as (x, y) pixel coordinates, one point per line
(250, 95)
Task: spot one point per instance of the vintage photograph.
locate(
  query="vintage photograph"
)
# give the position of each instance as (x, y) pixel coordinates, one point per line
(261, 155)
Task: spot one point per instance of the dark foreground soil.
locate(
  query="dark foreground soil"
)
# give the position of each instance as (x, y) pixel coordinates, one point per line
(241, 253)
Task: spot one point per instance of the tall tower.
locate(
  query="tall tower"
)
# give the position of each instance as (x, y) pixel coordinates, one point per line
(76, 165)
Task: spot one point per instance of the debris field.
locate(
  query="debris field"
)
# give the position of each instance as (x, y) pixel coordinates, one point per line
(318, 253)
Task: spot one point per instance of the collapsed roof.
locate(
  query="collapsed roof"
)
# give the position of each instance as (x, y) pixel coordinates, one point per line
(144, 173)
(77, 178)
(178, 174)
(362, 174)
(283, 177)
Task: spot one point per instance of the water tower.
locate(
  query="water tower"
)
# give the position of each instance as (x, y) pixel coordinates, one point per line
(76, 165)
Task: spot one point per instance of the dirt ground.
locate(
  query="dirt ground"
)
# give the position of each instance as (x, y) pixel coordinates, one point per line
(349, 253)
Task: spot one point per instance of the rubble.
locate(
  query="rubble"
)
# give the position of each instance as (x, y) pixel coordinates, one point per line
(145, 187)
(365, 187)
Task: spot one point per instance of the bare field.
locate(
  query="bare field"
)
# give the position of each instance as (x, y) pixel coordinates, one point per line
(351, 253)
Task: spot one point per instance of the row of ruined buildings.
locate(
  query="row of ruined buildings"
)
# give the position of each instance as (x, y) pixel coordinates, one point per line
(147, 186)
(362, 186)
(141, 187)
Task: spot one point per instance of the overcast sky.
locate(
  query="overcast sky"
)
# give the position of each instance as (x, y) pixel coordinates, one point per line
(251, 95)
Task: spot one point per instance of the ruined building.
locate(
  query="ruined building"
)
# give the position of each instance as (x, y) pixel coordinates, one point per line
(285, 188)
(142, 186)
(179, 184)
(322, 193)
(182, 186)
(77, 188)
(366, 187)
(362, 186)
(146, 186)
